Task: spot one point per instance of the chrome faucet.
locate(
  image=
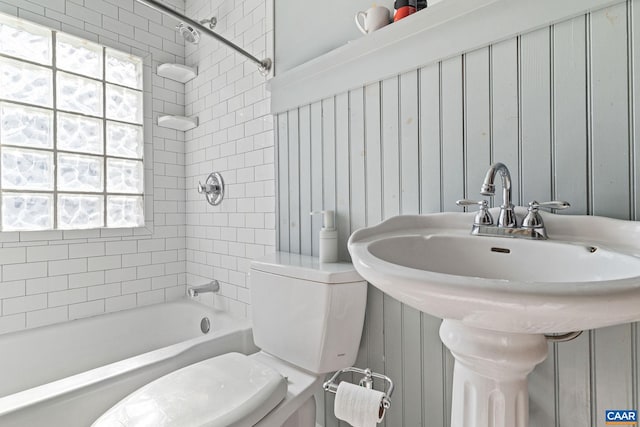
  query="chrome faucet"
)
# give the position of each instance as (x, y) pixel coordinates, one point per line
(213, 286)
(507, 217)
(507, 224)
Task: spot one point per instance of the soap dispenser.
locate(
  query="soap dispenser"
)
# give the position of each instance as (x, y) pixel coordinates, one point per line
(328, 237)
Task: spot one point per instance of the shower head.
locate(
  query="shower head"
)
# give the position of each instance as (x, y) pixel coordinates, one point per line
(189, 33)
(210, 22)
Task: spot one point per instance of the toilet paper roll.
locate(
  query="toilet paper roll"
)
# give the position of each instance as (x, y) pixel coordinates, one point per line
(359, 406)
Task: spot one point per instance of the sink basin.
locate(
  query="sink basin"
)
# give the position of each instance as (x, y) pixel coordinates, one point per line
(499, 296)
(587, 275)
(493, 258)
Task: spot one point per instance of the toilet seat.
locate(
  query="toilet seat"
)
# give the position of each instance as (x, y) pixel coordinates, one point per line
(224, 391)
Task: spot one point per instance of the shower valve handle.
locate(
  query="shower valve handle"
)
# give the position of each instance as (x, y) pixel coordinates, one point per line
(213, 188)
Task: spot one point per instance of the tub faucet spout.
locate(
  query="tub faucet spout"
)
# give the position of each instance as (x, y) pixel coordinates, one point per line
(213, 286)
(507, 217)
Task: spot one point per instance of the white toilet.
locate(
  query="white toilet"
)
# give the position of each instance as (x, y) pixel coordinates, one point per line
(307, 319)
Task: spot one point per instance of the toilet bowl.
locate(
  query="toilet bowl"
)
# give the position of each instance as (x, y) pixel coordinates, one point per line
(307, 319)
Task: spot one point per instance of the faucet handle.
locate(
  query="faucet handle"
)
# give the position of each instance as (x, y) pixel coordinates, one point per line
(483, 216)
(469, 202)
(554, 204)
(533, 218)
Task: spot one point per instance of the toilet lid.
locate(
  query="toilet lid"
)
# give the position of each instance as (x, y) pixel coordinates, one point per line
(224, 391)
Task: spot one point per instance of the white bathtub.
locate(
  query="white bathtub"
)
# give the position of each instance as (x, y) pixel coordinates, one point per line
(67, 375)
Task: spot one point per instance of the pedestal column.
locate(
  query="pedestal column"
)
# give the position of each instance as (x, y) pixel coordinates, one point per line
(490, 374)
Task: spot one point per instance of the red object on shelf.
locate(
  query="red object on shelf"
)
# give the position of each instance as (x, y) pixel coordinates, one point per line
(403, 12)
(404, 8)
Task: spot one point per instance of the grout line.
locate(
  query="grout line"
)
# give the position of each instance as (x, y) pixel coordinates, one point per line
(633, 181)
(419, 137)
(465, 127)
(382, 144)
(552, 112)
(399, 135)
(440, 136)
(592, 379)
(519, 102)
(589, 114)
(490, 64)
(631, 112)
(298, 219)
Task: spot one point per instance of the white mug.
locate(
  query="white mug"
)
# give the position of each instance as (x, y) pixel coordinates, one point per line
(373, 19)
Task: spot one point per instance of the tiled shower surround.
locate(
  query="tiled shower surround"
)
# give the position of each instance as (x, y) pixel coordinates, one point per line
(54, 276)
(235, 138)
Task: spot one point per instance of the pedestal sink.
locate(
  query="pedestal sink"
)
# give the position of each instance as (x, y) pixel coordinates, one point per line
(499, 296)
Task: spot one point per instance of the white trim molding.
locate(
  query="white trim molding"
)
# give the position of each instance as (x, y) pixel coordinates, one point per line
(446, 29)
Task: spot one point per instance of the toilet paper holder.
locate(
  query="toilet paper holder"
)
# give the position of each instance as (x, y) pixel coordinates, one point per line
(367, 381)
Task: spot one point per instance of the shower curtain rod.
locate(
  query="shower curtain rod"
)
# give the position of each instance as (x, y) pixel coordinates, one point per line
(264, 65)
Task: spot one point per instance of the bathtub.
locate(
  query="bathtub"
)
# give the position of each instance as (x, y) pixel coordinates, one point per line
(67, 375)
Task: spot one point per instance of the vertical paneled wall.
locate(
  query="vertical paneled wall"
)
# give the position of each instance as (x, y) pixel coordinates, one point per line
(558, 106)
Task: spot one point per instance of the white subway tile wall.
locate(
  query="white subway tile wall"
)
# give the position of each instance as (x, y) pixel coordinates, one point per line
(235, 138)
(55, 276)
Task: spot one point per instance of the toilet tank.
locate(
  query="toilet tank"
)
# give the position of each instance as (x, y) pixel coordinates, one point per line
(306, 313)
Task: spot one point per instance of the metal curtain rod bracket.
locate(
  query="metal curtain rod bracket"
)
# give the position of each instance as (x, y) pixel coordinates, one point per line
(264, 65)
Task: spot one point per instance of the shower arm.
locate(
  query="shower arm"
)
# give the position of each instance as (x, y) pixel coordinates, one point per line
(264, 65)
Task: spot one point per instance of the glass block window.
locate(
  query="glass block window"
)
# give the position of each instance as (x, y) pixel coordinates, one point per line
(71, 138)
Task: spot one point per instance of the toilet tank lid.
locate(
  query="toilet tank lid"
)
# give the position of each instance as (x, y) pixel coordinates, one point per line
(307, 268)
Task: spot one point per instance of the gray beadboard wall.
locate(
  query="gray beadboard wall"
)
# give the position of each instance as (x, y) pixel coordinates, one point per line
(559, 107)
